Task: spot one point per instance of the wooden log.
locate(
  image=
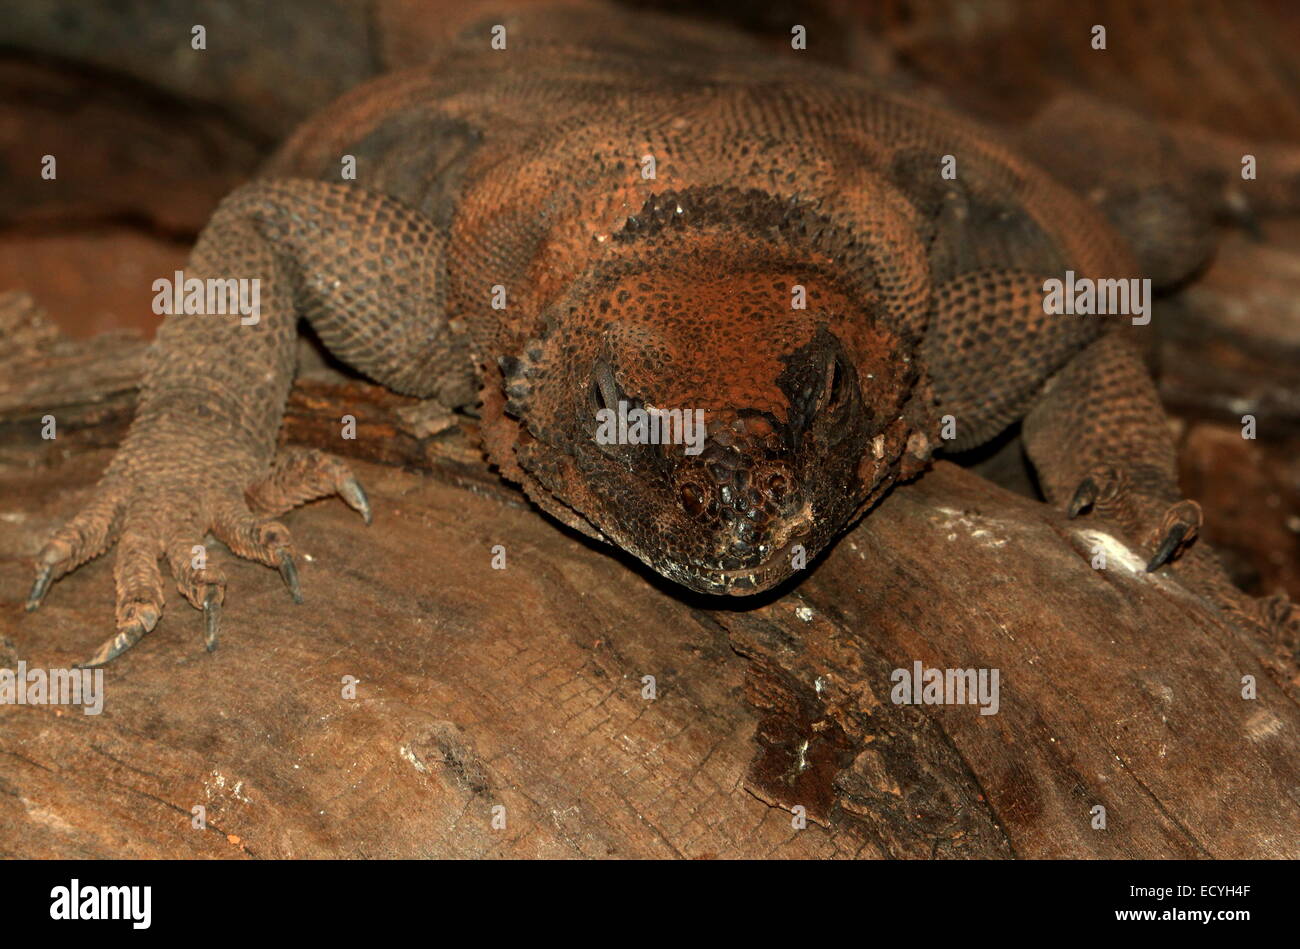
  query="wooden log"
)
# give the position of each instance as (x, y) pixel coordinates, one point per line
(525, 687)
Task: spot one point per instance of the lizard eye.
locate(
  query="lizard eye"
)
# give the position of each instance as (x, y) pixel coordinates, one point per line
(837, 384)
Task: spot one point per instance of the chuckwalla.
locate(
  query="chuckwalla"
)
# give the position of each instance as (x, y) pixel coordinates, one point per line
(589, 217)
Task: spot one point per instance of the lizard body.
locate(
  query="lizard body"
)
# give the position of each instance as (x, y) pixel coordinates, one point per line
(517, 175)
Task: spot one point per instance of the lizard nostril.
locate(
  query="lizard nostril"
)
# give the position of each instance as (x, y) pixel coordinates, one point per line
(777, 486)
(693, 499)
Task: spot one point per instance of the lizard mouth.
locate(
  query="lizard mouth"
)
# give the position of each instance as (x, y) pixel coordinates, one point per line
(715, 581)
(745, 581)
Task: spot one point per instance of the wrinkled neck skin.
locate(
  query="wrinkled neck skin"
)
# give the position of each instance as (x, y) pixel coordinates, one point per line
(812, 406)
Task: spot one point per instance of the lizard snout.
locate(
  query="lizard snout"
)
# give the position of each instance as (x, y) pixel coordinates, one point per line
(746, 498)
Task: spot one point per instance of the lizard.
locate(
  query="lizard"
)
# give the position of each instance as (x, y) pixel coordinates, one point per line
(516, 175)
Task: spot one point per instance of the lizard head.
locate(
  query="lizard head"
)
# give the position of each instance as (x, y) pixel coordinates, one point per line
(709, 427)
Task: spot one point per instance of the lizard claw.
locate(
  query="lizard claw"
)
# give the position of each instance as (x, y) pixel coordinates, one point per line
(355, 497)
(126, 637)
(1180, 525)
(1101, 484)
(289, 571)
(298, 476)
(211, 617)
(1085, 495)
(44, 576)
(1167, 547)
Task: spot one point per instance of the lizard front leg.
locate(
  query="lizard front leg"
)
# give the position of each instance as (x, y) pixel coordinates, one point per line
(1099, 440)
(200, 455)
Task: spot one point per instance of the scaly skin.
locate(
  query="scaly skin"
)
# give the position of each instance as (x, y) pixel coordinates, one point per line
(522, 169)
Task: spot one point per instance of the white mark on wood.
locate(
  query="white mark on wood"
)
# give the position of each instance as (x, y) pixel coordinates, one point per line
(1263, 724)
(1118, 554)
(976, 527)
(415, 762)
(46, 817)
(216, 781)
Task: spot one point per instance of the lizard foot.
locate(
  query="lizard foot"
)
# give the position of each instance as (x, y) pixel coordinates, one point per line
(1167, 527)
(156, 514)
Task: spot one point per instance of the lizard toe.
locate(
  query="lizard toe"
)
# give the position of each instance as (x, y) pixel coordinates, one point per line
(86, 536)
(1101, 485)
(1178, 527)
(257, 538)
(139, 596)
(126, 637)
(202, 584)
(298, 476)
(1280, 616)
